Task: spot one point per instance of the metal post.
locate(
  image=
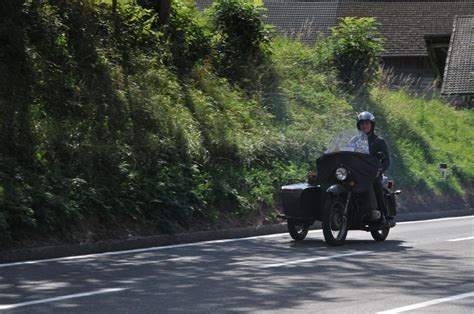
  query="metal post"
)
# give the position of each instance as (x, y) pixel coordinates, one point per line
(443, 167)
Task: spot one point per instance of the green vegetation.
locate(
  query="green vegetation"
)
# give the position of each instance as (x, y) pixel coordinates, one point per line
(183, 126)
(424, 133)
(241, 50)
(356, 46)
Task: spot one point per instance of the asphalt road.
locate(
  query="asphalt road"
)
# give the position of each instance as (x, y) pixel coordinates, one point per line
(423, 267)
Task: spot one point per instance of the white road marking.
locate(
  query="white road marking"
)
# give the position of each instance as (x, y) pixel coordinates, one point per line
(150, 249)
(80, 257)
(174, 259)
(64, 297)
(434, 220)
(428, 303)
(461, 239)
(314, 259)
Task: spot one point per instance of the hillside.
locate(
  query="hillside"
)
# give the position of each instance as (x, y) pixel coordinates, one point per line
(119, 126)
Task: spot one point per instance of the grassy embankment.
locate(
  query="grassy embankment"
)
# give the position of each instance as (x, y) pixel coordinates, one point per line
(105, 135)
(421, 132)
(425, 133)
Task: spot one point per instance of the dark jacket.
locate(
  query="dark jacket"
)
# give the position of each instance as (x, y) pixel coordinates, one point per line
(378, 144)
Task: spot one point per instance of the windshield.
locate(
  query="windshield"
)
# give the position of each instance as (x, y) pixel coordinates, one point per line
(351, 140)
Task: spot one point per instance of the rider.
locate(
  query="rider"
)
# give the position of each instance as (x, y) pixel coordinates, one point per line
(379, 149)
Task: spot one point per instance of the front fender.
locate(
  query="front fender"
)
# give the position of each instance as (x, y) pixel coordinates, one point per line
(336, 189)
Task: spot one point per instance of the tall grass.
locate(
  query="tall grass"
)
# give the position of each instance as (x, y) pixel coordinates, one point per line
(423, 134)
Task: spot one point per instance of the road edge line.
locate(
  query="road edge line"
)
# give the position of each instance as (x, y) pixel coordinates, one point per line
(143, 244)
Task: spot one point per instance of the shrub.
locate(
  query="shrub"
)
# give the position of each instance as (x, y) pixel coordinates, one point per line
(185, 32)
(241, 39)
(187, 35)
(356, 47)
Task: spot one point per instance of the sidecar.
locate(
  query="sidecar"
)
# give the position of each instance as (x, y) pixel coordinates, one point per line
(302, 205)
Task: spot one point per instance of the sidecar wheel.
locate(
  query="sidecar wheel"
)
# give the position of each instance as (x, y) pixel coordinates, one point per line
(298, 229)
(334, 223)
(381, 234)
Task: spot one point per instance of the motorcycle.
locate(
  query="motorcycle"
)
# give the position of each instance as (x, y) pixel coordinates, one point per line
(342, 195)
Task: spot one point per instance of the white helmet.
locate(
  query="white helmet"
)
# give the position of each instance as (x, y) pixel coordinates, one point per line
(366, 116)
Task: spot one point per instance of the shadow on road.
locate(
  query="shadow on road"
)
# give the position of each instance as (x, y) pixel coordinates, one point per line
(228, 276)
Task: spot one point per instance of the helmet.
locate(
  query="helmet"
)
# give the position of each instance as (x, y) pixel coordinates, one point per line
(366, 116)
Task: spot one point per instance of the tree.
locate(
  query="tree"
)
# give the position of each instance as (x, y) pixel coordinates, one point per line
(164, 11)
(115, 17)
(242, 38)
(356, 47)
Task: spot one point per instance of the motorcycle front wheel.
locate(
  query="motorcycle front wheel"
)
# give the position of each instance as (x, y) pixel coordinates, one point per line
(381, 234)
(334, 223)
(298, 229)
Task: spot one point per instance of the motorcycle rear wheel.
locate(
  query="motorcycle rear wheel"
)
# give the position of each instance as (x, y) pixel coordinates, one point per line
(380, 235)
(298, 229)
(335, 224)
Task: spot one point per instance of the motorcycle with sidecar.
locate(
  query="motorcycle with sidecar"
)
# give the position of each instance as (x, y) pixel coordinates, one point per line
(342, 195)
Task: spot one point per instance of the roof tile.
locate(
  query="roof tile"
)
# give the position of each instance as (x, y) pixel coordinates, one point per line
(459, 70)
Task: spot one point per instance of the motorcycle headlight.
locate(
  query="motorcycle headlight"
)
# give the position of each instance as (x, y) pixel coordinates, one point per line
(341, 174)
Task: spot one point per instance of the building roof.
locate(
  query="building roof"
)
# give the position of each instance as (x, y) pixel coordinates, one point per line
(459, 70)
(404, 22)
